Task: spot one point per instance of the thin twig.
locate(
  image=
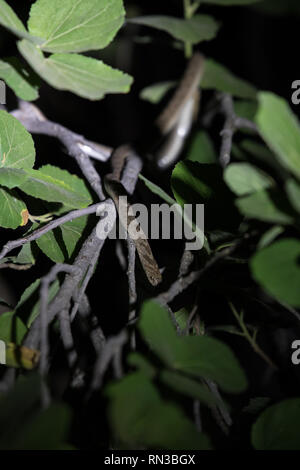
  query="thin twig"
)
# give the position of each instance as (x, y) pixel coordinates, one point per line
(11, 245)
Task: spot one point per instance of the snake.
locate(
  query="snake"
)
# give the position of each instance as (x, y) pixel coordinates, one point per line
(175, 121)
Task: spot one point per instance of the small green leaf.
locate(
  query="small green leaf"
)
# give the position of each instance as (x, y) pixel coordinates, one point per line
(12, 329)
(16, 144)
(194, 30)
(280, 129)
(278, 427)
(269, 236)
(11, 209)
(197, 356)
(201, 149)
(268, 206)
(85, 76)
(293, 191)
(18, 80)
(142, 364)
(243, 178)
(276, 268)
(59, 244)
(53, 184)
(75, 25)
(155, 93)
(217, 77)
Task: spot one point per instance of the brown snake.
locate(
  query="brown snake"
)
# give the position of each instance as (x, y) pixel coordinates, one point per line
(186, 91)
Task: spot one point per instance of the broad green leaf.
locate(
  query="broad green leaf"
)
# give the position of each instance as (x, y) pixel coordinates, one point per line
(85, 76)
(18, 81)
(45, 430)
(217, 77)
(268, 206)
(12, 177)
(16, 144)
(278, 427)
(149, 421)
(188, 387)
(200, 356)
(280, 129)
(201, 149)
(75, 25)
(59, 244)
(155, 93)
(12, 209)
(9, 20)
(243, 178)
(56, 185)
(276, 268)
(12, 329)
(293, 191)
(194, 30)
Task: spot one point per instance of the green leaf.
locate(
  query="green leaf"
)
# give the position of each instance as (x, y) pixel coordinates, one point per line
(276, 268)
(188, 387)
(56, 185)
(59, 244)
(155, 93)
(278, 427)
(201, 149)
(46, 430)
(142, 364)
(85, 76)
(12, 329)
(217, 77)
(75, 25)
(161, 193)
(9, 20)
(293, 191)
(243, 178)
(280, 129)
(11, 209)
(16, 144)
(268, 206)
(269, 236)
(31, 296)
(12, 177)
(194, 30)
(149, 421)
(197, 356)
(18, 80)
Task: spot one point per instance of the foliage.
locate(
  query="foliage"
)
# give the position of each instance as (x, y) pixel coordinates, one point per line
(209, 347)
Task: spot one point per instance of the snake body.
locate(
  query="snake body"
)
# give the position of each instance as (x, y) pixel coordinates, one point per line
(171, 119)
